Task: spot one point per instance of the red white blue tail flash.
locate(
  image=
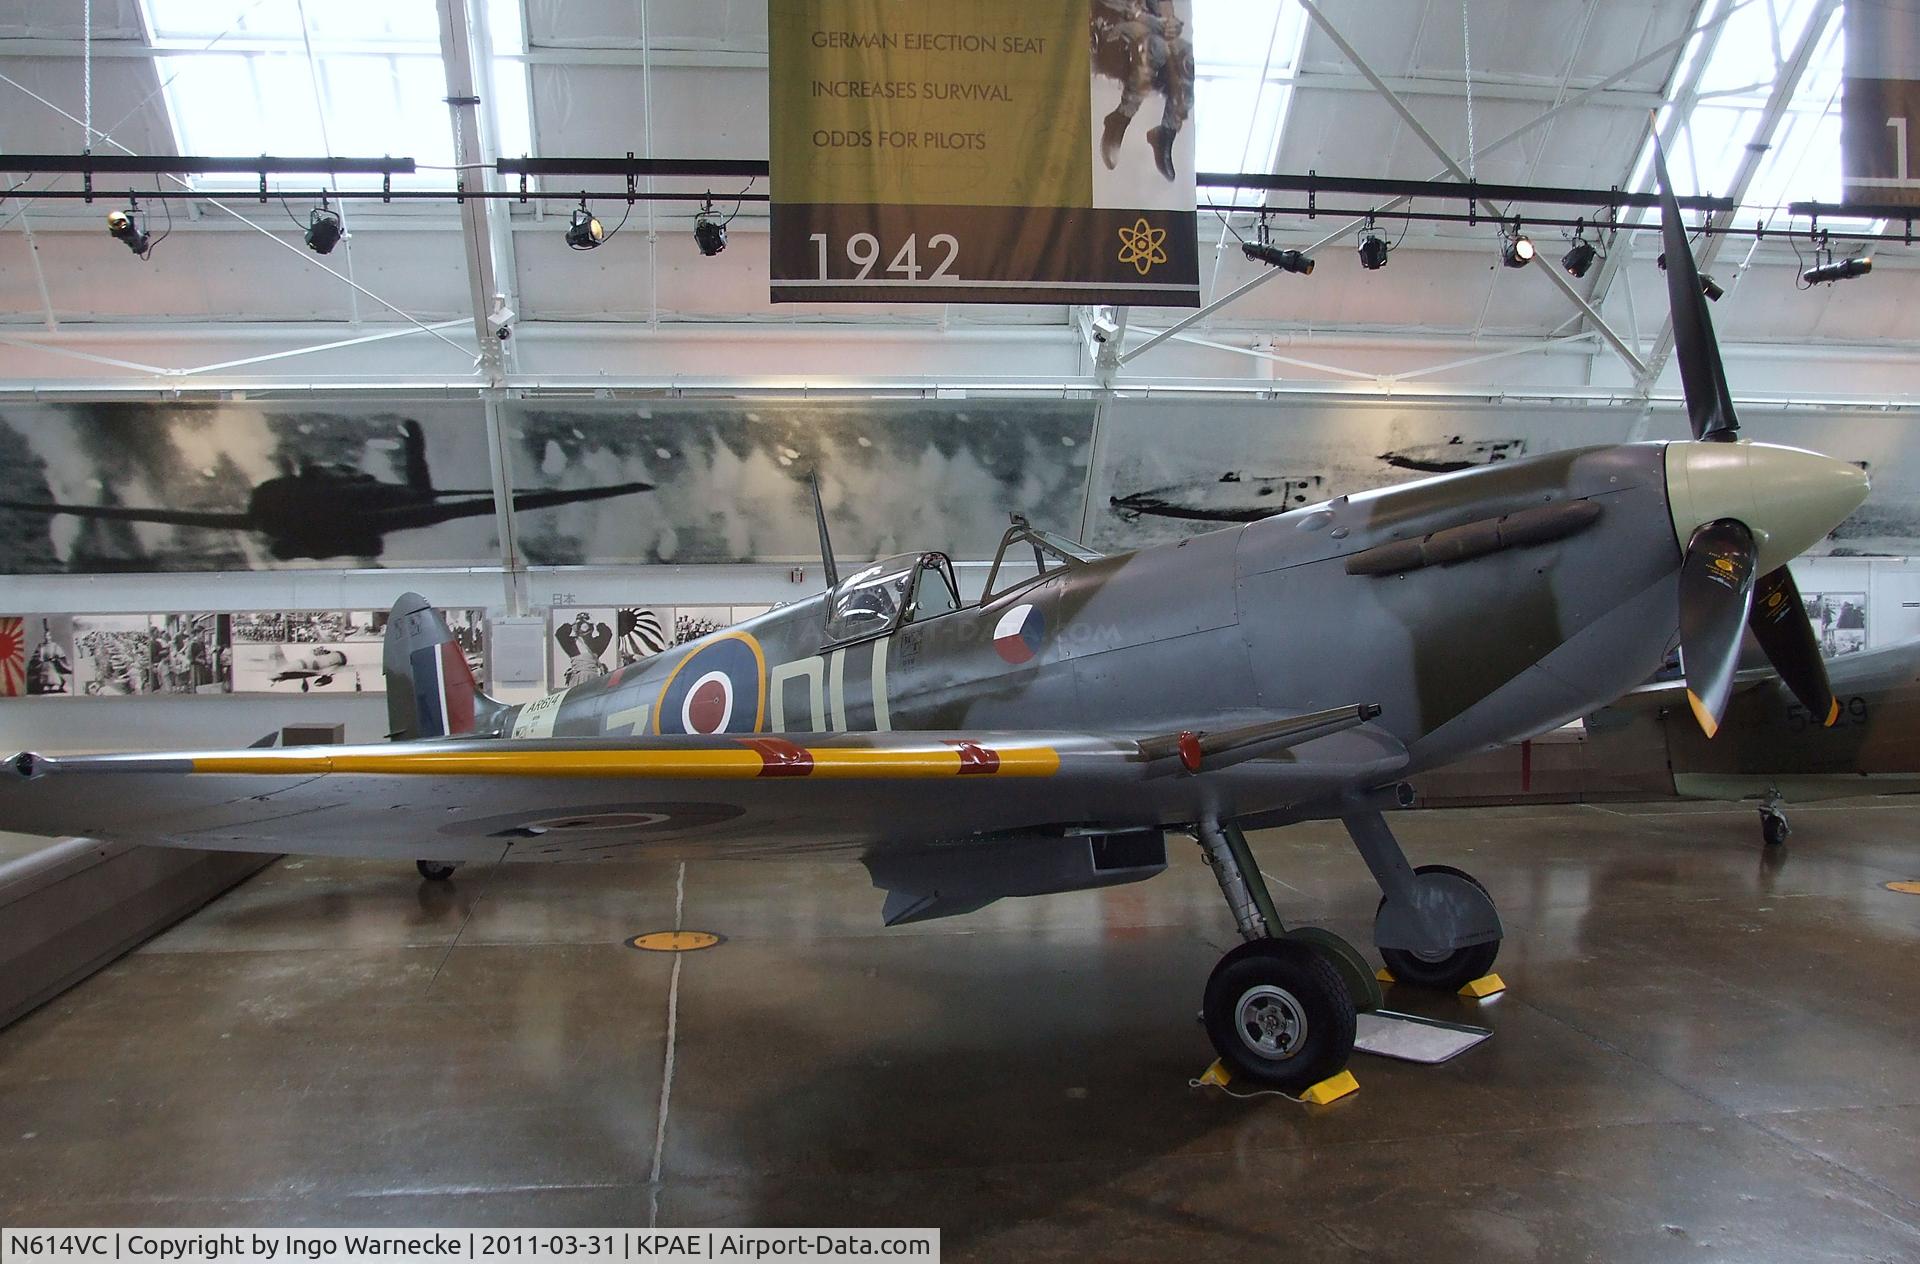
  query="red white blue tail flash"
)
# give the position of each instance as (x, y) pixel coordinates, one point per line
(443, 690)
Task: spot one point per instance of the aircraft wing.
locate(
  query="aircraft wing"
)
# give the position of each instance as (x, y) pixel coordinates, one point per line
(427, 515)
(1670, 693)
(572, 799)
(118, 513)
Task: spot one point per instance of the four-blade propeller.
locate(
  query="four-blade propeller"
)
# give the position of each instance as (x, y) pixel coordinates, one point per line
(1719, 593)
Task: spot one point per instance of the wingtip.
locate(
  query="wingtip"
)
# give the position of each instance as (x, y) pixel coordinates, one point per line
(1708, 724)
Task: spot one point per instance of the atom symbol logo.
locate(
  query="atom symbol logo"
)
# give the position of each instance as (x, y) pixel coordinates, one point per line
(1143, 245)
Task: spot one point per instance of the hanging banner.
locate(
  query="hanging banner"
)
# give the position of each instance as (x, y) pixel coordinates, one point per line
(999, 151)
(1880, 109)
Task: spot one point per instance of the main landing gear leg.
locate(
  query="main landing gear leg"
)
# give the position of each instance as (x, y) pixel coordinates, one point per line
(1436, 926)
(1276, 1009)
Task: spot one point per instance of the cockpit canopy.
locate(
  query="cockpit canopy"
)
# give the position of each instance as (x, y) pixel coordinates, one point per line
(909, 587)
(896, 590)
(1051, 553)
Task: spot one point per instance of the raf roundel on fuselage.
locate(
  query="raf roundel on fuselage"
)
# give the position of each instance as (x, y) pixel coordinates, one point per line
(719, 688)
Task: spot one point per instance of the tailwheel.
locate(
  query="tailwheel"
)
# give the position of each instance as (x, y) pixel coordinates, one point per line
(1448, 971)
(1773, 827)
(436, 870)
(1278, 1014)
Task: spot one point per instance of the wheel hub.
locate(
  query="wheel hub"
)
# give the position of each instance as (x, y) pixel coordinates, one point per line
(1270, 1021)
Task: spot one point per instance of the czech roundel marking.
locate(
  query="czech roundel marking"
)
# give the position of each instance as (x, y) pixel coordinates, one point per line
(719, 688)
(1016, 637)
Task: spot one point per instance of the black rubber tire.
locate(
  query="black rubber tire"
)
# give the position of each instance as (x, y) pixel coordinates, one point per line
(1773, 829)
(435, 870)
(1453, 971)
(1315, 988)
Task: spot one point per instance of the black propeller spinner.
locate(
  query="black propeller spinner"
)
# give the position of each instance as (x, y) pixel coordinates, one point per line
(1719, 595)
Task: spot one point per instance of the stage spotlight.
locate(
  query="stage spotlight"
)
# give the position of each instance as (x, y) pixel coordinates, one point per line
(1516, 249)
(1579, 257)
(323, 230)
(1285, 260)
(1373, 252)
(709, 231)
(583, 230)
(125, 228)
(1708, 286)
(1838, 270)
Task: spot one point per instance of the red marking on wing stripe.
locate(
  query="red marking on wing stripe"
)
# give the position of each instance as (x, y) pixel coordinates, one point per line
(975, 758)
(782, 758)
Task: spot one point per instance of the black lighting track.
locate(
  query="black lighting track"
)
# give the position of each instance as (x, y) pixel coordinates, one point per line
(1529, 222)
(140, 165)
(382, 195)
(1314, 183)
(1854, 210)
(632, 168)
(732, 168)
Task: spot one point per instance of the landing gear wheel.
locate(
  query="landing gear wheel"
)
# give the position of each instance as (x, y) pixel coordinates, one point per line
(1279, 1015)
(435, 870)
(1774, 828)
(1447, 971)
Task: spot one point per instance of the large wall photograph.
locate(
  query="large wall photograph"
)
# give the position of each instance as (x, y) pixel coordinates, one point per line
(119, 487)
(729, 479)
(1232, 462)
(104, 487)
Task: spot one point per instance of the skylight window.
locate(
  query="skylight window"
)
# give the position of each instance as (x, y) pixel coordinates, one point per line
(1246, 53)
(355, 78)
(1803, 162)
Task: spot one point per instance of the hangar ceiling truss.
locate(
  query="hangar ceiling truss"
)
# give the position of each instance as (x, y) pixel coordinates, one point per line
(1497, 90)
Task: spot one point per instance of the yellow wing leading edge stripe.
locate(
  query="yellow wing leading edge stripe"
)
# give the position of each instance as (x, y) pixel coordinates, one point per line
(764, 757)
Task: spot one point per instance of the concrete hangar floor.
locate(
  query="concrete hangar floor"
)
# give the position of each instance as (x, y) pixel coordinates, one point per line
(1705, 1052)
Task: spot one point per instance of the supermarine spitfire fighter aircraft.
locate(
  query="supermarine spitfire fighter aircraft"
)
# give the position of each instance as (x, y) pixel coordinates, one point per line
(1050, 736)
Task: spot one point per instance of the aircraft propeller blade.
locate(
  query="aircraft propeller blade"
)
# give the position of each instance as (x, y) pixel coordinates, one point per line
(1716, 591)
(1779, 622)
(1702, 377)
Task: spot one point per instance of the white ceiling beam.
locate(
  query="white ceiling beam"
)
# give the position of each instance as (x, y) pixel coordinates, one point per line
(39, 272)
(469, 154)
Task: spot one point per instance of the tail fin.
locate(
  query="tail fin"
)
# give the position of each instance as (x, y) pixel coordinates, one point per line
(418, 477)
(431, 691)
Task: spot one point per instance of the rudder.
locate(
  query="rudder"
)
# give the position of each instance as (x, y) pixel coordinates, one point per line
(431, 691)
